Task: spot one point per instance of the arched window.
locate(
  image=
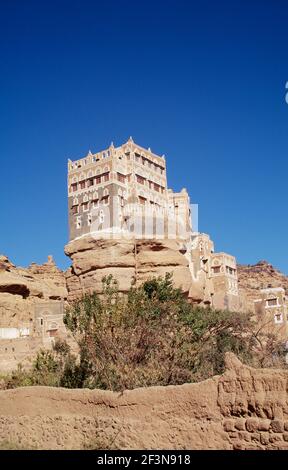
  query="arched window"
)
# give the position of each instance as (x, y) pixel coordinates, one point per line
(95, 199)
(82, 181)
(105, 197)
(85, 203)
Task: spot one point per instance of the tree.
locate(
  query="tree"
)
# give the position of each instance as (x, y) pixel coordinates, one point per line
(152, 336)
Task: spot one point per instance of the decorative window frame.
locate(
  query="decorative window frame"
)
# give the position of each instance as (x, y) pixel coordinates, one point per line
(277, 322)
(272, 306)
(85, 206)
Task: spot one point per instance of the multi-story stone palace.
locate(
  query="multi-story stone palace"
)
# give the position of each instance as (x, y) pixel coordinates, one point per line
(123, 190)
(107, 187)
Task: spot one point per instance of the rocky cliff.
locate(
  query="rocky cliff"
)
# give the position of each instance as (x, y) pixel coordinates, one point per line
(129, 262)
(20, 288)
(244, 408)
(252, 278)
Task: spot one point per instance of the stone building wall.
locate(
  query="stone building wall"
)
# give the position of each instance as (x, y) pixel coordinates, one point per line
(47, 326)
(115, 177)
(271, 309)
(216, 272)
(14, 352)
(139, 206)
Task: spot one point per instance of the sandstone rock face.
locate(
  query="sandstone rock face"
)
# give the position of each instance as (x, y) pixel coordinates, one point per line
(252, 278)
(128, 261)
(5, 264)
(20, 288)
(13, 284)
(242, 409)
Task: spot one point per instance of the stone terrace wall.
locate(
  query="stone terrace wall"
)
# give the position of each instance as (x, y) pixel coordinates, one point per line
(254, 405)
(243, 409)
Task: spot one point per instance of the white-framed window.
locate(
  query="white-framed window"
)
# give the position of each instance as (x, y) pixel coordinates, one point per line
(278, 318)
(85, 206)
(89, 219)
(75, 210)
(121, 177)
(272, 302)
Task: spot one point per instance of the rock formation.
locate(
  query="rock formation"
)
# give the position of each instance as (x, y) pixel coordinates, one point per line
(129, 262)
(262, 275)
(20, 288)
(244, 408)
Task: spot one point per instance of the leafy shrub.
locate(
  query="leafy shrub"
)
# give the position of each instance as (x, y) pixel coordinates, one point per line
(50, 368)
(152, 336)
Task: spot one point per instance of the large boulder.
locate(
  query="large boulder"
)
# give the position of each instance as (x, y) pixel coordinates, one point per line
(13, 284)
(130, 262)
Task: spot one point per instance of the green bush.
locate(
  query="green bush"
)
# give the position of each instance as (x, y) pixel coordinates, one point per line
(50, 368)
(152, 336)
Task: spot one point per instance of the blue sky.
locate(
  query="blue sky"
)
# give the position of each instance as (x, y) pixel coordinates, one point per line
(202, 82)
